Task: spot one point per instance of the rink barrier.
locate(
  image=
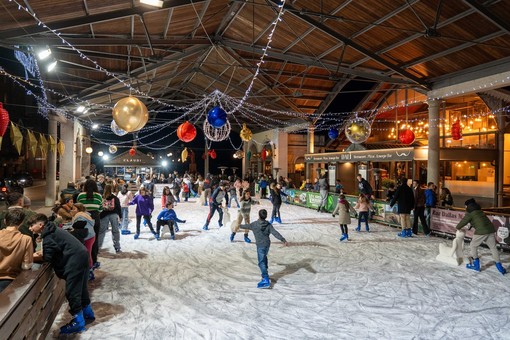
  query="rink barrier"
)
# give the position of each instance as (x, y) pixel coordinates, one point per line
(442, 222)
(30, 304)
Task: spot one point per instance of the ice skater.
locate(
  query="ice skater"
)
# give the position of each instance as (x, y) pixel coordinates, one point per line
(262, 229)
(144, 209)
(343, 208)
(484, 232)
(243, 213)
(168, 217)
(276, 200)
(215, 205)
(363, 207)
(70, 261)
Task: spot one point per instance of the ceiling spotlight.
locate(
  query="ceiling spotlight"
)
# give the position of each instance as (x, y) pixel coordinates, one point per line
(100, 153)
(52, 66)
(43, 54)
(106, 157)
(157, 3)
(95, 126)
(80, 109)
(89, 150)
(169, 154)
(164, 163)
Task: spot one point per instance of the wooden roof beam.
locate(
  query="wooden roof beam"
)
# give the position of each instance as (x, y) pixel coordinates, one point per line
(90, 19)
(351, 43)
(503, 25)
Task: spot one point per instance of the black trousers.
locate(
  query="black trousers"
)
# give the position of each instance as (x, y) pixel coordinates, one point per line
(97, 225)
(276, 211)
(77, 292)
(147, 219)
(419, 213)
(212, 209)
(161, 223)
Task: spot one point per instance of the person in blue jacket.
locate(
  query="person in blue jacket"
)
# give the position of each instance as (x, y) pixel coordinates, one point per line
(430, 200)
(215, 204)
(168, 217)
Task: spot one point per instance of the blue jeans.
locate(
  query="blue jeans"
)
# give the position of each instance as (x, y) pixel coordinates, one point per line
(125, 219)
(363, 215)
(262, 257)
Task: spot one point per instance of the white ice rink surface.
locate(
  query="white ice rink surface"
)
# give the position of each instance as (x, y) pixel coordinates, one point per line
(376, 286)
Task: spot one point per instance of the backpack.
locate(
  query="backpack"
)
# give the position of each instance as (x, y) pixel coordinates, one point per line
(109, 205)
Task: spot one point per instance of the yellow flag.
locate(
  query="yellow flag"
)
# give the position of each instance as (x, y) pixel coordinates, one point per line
(61, 148)
(43, 145)
(184, 155)
(16, 138)
(53, 144)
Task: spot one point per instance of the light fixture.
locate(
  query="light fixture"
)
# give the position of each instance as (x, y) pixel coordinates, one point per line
(95, 126)
(52, 66)
(80, 109)
(169, 154)
(43, 54)
(106, 157)
(164, 163)
(100, 153)
(89, 150)
(157, 3)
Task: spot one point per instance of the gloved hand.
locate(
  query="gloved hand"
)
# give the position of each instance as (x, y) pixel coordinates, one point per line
(183, 221)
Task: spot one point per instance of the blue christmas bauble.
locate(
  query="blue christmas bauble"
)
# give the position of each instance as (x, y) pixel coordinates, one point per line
(333, 133)
(217, 117)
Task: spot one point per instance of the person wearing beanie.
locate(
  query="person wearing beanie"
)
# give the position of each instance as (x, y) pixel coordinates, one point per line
(484, 233)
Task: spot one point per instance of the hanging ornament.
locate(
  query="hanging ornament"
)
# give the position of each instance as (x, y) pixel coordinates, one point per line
(117, 130)
(130, 114)
(357, 130)
(186, 132)
(43, 145)
(406, 136)
(184, 155)
(16, 138)
(4, 122)
(239, 154)
(456, 130)
(132, 152)
(217, 117)
(61, 147)
(214, 134)
(53, 144)
(32, 143)
(245, 133)
(333, 133)
(263, 154)
(248, 155)
(112, 149)
(212, 154)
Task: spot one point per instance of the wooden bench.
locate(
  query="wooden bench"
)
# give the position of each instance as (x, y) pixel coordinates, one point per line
(29, 305)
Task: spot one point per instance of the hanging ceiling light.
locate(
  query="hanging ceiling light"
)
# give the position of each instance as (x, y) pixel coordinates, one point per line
(52, 66)
(43, 54)
(157, 3)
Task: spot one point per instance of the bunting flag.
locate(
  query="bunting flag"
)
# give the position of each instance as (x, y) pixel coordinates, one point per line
(53, 144)
(43, 145)
(61, 148)
(16, 138)
(32, 143)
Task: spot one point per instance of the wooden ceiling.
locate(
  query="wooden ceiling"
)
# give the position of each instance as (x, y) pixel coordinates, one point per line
(184, 51)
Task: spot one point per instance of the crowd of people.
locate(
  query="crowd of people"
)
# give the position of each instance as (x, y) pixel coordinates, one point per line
(71, 238)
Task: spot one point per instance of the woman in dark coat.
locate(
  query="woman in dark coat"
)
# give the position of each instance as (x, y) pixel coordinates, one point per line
(404, 196)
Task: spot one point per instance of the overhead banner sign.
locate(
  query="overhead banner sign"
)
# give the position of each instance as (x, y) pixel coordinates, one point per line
(401, 154)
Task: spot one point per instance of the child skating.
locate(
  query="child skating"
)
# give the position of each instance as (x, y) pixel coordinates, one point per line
(363, 207)
(262, 229)
(276, 199)
(168, 217)
(243, 213)
(343, 208)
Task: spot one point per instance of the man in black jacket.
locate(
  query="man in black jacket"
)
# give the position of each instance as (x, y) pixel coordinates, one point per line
(70, 261)
(404, 196)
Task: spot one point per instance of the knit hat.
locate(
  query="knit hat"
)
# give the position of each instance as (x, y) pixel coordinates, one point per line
(470, 201)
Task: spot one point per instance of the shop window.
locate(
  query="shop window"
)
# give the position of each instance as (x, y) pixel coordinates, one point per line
(470, 171)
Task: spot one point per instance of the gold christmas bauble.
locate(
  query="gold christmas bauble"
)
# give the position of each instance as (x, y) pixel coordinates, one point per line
(245, 133)
(130, 114)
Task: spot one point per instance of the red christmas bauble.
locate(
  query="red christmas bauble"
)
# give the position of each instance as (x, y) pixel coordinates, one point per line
(212, 153)
(406, 136)
(186, 132)
(456, 130)
(132, 152)
(263, 155)
(4, 120)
